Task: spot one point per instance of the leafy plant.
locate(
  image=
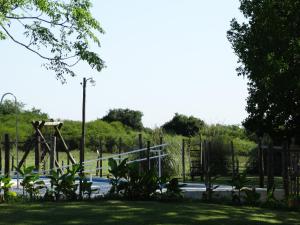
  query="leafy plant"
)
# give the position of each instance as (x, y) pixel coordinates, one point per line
(86, 186)
(271, 201)
(149, 183)
(209, 188)
(173, 190)
(118, 171)
(5, 185)
(132, 186)
(293, 201)
(238, 182)
(127, 181)
(31, 183)
(63, 186)
(251, 196)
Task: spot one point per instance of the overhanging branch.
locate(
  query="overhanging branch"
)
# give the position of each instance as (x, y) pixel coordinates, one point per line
(40, 55)
(38, 18)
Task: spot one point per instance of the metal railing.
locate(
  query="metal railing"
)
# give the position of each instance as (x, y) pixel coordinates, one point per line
(132, 155)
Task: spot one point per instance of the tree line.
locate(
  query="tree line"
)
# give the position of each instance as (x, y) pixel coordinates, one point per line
(116, 124)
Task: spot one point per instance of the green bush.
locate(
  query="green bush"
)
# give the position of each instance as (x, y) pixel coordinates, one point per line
(31, 182)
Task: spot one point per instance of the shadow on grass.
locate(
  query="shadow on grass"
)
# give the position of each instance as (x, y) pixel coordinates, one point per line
(116, 212)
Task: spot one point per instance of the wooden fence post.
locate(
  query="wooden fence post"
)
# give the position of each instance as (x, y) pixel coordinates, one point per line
(232, 160)
(12, 163)
(100, 155)
(68, 161)
(56, 153)
(141, 154)
(6, 155)
(201, 158)
(37, 152)
(207, 177)
(0, 158)
(160, 170)
(261, 166)
(148, 156)
(45, 166)
(120, 148)
(270, 168)
(97, 166)
(298, 174)
(285, 176)
(52, 153)
(208, 163)
(183, 159)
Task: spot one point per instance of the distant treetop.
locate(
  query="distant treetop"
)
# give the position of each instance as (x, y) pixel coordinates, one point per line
(184, 125)
(128, 117)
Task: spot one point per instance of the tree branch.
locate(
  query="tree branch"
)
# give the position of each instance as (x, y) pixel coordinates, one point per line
(22, 44)
(32, 50)
(38, 18)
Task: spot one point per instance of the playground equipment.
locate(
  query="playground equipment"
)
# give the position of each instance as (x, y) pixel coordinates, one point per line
(42, 147)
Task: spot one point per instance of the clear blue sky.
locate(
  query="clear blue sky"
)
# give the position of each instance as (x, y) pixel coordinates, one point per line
(162, 57)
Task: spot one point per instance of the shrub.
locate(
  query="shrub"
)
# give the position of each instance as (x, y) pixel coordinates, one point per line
(63, 186)
(5, 186)
(128, 182)
(31, 183)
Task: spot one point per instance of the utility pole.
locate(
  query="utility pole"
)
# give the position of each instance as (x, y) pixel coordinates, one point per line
(81, 155)
(82, 144)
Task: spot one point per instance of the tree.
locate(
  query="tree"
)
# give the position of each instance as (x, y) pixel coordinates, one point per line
(184, 125)
(8, 120)
(59, 32)
(8, 107)
(268, 47)
(130, 118)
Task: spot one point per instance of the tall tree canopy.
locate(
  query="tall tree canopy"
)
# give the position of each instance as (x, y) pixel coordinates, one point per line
(59, 31)
(268, 48)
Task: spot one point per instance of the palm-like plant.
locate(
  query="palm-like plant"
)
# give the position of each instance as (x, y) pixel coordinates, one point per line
(31, 182)
(239, 181)
(64, 186)
(87, 189)
(210, 188)
(118, 171)
(5, 185)
(129, 183)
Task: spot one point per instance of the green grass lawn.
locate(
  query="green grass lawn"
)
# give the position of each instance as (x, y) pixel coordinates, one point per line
(116, 212)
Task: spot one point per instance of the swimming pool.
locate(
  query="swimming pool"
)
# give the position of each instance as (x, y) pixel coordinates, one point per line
(100, 185)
